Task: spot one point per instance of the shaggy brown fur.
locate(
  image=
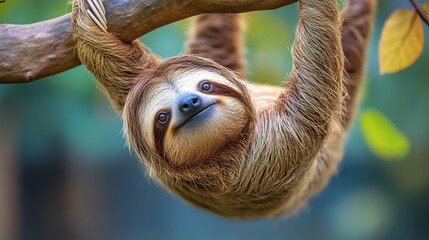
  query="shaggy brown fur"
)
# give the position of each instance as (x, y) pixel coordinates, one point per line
(218, 37)
(115, 70)
(267, 149)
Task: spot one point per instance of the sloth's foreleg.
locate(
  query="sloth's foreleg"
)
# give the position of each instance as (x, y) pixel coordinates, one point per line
(98, 14)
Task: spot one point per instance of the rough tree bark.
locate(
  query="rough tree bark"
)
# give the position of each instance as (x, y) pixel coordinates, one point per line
(33, 51)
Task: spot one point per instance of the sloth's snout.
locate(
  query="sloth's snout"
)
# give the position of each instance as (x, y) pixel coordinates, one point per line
(192, 108)
(190, 103)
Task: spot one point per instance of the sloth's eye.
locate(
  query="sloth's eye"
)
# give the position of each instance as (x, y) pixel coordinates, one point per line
(162, 117)
(206, 86)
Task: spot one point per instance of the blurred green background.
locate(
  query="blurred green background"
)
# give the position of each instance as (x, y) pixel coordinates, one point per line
(65, 172)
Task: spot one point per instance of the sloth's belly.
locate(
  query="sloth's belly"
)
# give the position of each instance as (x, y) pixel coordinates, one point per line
(263, 95)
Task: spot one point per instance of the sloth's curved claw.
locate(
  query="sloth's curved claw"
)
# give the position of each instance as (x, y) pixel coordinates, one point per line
(100, 3)
(97, 15)
(100, 9)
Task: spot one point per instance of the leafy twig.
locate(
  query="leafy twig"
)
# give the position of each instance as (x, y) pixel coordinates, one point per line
(420, 11)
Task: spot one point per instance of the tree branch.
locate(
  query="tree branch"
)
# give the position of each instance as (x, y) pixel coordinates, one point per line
(33, 51)
(420, 11)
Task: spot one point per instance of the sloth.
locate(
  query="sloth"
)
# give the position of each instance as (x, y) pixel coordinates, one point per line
(234, 148)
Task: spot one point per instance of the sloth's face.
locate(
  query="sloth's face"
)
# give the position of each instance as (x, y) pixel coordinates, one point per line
(191, 115)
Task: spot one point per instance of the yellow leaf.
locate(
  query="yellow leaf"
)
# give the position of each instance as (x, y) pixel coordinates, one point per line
(382, 137)
(401, 41)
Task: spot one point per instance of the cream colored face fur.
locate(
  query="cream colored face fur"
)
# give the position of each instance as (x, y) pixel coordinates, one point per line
(187, 145)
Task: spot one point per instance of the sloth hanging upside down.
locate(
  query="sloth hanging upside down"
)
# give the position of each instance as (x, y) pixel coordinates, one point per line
(234, 148)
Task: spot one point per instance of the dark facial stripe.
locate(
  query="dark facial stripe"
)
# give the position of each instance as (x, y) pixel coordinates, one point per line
(159, 132)
(224, 90)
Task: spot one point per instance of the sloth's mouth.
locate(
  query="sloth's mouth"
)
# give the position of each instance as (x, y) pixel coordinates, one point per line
(198, 116)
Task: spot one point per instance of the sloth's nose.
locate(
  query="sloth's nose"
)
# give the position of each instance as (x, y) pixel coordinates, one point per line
(190, 103)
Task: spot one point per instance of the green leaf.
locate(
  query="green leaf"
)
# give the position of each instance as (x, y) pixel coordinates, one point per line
(382, 136)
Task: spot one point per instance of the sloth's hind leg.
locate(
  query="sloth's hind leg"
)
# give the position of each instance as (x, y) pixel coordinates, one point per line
(218, 37)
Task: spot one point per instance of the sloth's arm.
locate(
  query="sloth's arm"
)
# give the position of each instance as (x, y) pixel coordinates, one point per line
(219, 38)
(292, 131)
(115, 64)
(358, 20)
